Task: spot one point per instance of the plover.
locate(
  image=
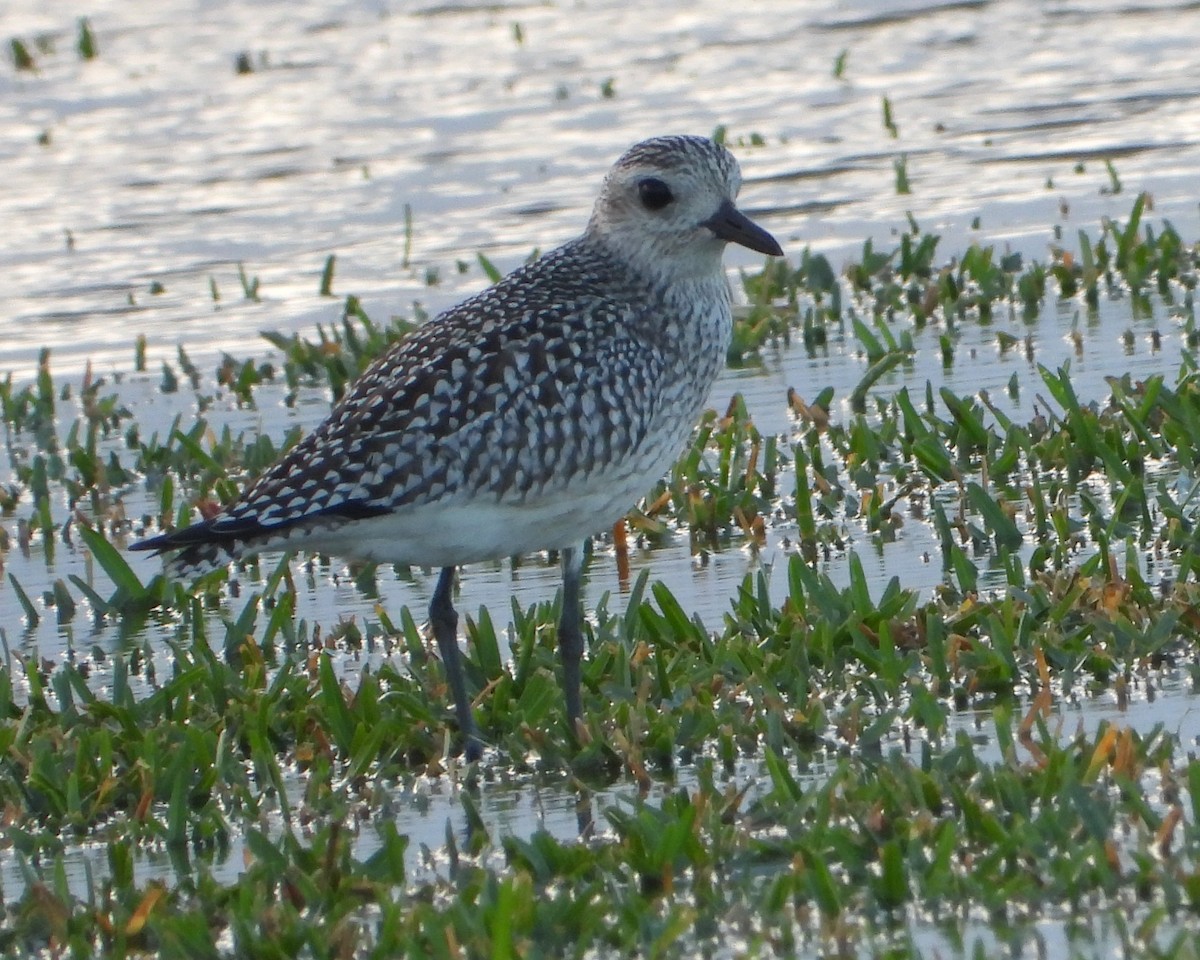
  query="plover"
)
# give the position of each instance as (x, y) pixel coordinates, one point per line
(529, 417)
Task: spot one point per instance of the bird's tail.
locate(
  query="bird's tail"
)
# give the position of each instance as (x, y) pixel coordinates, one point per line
(211, 544)
(202, 548)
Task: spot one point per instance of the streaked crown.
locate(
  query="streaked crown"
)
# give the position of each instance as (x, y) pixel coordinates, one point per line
(656, 199)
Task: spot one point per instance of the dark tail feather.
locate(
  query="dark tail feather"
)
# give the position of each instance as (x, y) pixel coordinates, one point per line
(211, 544)
(203, 547)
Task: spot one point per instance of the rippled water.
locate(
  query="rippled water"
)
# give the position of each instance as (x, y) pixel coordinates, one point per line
(163, 163)
(158, 163)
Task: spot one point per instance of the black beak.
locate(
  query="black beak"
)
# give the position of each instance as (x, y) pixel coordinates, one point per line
(731, 224)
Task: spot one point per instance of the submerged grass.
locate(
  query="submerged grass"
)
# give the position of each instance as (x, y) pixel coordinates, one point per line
(775, 866)
(801, 775)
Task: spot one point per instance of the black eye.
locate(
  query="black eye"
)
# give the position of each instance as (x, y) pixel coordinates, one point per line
(654, 193)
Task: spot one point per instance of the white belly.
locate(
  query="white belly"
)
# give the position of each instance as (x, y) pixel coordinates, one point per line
(452, 533)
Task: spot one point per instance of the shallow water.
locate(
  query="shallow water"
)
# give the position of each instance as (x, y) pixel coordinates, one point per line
(163, 165)
(429, 810)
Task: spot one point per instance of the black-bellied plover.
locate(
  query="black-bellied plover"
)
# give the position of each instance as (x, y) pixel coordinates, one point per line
(526, 418)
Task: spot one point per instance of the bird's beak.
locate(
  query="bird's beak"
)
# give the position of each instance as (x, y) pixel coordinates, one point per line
(731, 224)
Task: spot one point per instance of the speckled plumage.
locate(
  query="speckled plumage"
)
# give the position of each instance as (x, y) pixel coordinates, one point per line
(531, 415)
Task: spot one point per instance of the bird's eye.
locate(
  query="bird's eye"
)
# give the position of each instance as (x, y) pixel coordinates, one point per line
(654, 193)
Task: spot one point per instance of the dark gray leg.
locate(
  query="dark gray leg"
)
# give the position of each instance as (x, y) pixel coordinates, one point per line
(445, 631)
(570, 634)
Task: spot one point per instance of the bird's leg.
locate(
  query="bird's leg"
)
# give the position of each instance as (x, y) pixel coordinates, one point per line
(445, 630)
(570, 634)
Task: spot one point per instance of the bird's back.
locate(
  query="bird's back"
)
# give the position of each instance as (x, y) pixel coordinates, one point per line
(549, 402)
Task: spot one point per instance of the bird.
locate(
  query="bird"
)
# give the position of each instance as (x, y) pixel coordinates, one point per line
(527, 418)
